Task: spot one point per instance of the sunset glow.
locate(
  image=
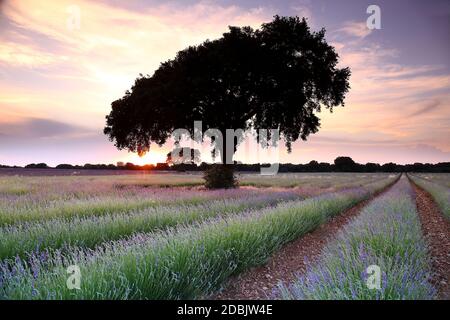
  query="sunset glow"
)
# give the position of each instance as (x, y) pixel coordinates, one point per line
(149, 158)
(59, 74)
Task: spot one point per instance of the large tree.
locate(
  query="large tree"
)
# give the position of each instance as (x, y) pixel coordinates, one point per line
(276, 77)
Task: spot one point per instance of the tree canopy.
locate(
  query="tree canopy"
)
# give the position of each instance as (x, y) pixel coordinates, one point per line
(344, 163)
(275, 77)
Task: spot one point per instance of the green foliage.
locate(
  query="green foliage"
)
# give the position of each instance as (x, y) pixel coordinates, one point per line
(220, 176)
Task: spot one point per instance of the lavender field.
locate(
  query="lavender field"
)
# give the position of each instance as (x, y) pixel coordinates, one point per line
(167, 237)
(387, 234)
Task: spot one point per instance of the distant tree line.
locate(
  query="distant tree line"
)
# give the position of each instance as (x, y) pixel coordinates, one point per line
(341, 164)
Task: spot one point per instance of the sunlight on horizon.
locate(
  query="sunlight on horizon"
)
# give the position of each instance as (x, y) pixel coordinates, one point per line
(152, 157)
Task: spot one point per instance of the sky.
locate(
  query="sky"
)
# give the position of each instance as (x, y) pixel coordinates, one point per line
(63, 62)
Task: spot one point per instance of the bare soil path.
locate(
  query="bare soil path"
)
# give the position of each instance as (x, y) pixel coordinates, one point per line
(289, 261)
(436, 229)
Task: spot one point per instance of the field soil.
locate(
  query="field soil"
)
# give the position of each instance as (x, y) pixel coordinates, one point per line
(291, 260)
(436, 229)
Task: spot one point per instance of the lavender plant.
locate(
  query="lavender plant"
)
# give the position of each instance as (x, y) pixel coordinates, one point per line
(442, 179)
(40, 207)
(30, 199)
(182, 263)
(439, 192)
(387, 234)
(87, 232)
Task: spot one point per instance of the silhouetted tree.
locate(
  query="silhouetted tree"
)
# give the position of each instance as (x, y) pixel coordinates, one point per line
(37, 166)
(440, 167)
(390, 167)
(162, 166)
(313, 165)
(344, 164)
(372, 167)
(276, 77)
(325, 166)
(64, 166)
(130, 166)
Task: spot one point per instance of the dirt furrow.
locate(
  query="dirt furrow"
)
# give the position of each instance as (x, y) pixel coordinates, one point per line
(436, 229)
(291, 260)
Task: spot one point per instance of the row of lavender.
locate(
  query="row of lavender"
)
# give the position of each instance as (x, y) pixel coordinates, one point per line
(91, 230)
(46, 198)
(385, 241)
(84, 187)
(439, 192)
(46, 206)
(187, 261)
(89, 223)
(442, 179)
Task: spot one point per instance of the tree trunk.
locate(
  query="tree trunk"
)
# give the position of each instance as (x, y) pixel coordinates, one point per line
(221, 175)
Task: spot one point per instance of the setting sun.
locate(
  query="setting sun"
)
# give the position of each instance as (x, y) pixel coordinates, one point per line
(148, 158)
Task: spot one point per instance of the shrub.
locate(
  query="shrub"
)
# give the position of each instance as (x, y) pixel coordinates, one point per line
(220, 176)
(37, 166)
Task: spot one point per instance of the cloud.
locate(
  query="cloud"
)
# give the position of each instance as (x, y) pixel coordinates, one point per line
(355, 29)
(76, 73)
(303, 10)
(36, 128)
(395, 101)
(427, 108)
(22, 55)
(153, 33)
(103, 57)
(347, 140)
